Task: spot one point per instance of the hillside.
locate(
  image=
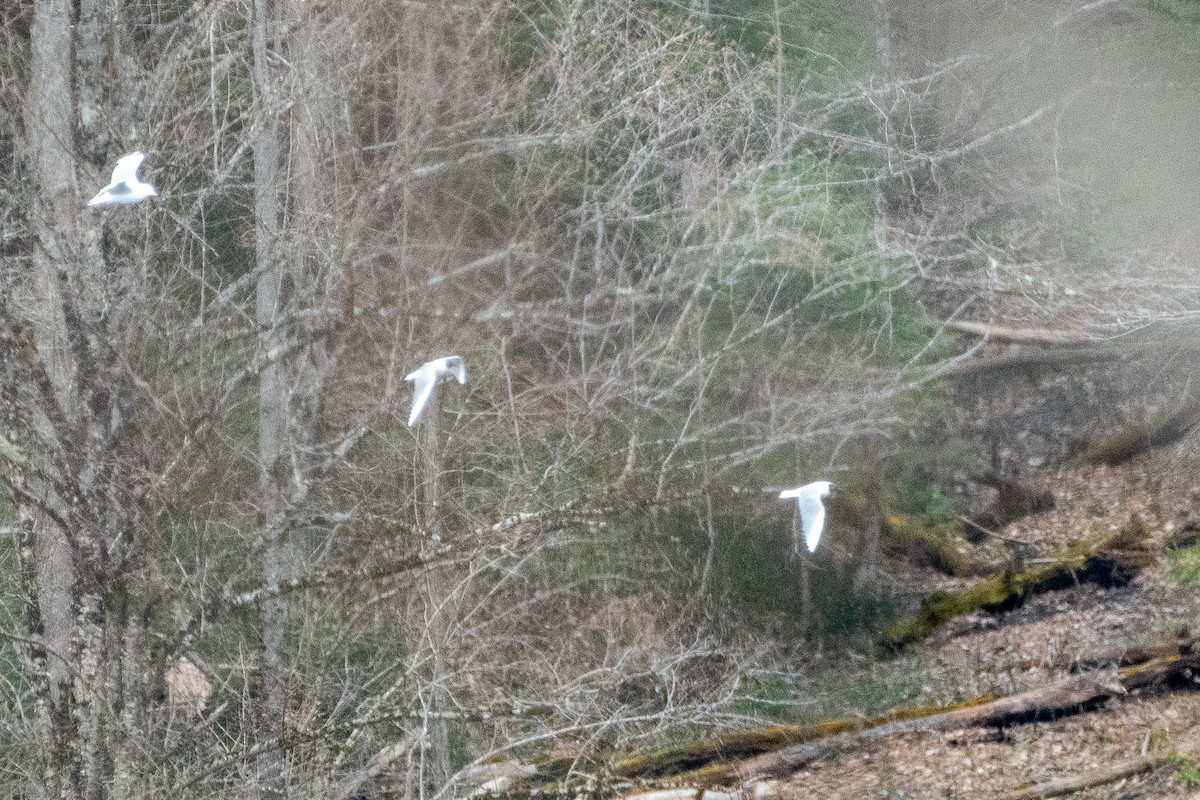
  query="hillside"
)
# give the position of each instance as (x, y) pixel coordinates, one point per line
(1036, 644)
(683, 257)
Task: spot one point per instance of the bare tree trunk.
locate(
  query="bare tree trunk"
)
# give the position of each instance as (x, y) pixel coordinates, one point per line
(297, 282)
(711, 529)
(436, 770)
(801, 553)
(48, 564)
(81, 566)
(866, 576)
(272, 397)
(883, 51)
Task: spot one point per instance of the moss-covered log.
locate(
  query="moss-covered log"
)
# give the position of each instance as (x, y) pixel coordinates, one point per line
(777, 750)
(1041, 703)
(1133, 440)
(745, 744)
(1112, 562)
(1068, 696)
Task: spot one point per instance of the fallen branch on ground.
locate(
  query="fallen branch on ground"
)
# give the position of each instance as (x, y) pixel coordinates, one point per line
(746, 758)
(1069, 696)
(1113, 561)
(1127, 656)
(1020, 335)
(1100, 777)
(1043, 702)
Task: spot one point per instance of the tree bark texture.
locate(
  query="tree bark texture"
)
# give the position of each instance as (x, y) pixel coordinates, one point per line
(48, 567)
(272, 393)
(801, 552)
(83, 572)
(435, 601)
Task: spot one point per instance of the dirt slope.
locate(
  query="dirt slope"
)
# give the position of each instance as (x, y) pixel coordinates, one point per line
(1035, 644)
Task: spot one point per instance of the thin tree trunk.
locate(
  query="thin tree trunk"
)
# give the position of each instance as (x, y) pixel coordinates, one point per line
(867, 575)
(711, 529)
(272, 399)
(883, 48)
(437, 755)
(806, 615)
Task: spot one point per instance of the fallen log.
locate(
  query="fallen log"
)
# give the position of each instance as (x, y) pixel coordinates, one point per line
(741, 745)
(1127, 656)
(1100, 777)
(1181, 670)
(747, 758)
(1069, 696)
(1112, 562)
(1057, 699)
(1162, 429)
(1021, 335)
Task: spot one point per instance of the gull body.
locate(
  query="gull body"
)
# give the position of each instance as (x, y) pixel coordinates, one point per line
(427, 376)
(125, 189)
(812, 510)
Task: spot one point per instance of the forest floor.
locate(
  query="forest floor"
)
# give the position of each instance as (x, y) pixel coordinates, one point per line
(1034, 645)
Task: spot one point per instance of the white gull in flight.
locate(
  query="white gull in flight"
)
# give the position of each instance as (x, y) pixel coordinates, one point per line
(812, 510)
(427, 376)
(125, 188)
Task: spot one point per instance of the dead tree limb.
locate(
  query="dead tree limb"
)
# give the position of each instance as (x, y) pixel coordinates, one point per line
(1099, 777)
(1126, 656)
(1020, 335)
(744, 758)
(1067, 696)
(351, 786)
(1111, 561)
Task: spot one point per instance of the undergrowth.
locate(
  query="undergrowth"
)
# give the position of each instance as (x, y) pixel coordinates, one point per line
(1185, 566)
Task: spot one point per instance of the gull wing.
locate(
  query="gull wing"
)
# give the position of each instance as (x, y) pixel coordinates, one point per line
(126, 169)
(812, 517)
(423, 382)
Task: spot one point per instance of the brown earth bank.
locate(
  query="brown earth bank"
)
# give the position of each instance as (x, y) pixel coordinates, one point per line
(1037, 644)
(1143, 743)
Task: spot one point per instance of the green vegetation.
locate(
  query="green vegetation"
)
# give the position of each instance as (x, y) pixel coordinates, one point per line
(768, 696)
(1187, 771)
(1185, 566)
